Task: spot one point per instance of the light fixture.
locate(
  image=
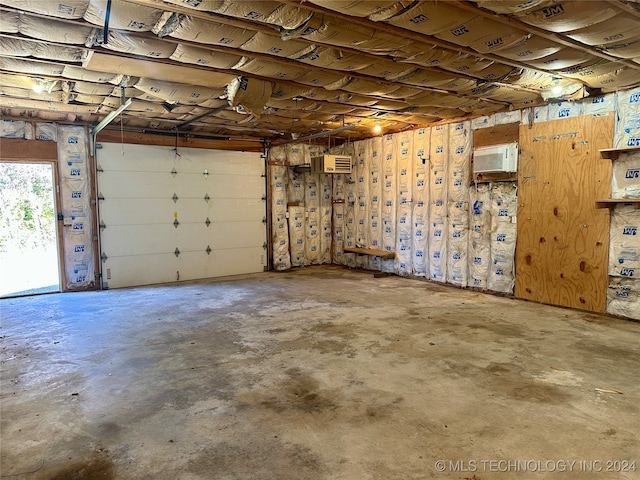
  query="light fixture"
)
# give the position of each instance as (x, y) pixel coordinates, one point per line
(38, 85)
(377, 128)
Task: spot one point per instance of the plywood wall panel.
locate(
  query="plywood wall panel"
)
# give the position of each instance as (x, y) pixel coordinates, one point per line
(563, 240)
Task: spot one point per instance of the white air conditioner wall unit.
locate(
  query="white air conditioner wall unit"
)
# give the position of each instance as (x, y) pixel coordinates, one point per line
(496, 158)
(331, 164)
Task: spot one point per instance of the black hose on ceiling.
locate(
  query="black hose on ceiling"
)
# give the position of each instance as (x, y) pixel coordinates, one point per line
(105, 38)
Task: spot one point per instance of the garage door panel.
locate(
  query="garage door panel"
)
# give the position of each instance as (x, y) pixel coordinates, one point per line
(126, 211)
(160, 268)
(132, 240)
(195, 236)
(238, 235)
(138, 212)
(237, 186)
(238, 261)
(135, 158)
(230, 163)
(192, 210)
(136, 185)
(223, 262)
(224, 210)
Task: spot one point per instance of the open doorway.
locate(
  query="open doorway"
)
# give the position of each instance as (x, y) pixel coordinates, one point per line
(29, 252)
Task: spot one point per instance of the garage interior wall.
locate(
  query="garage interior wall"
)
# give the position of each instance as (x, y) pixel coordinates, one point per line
(412, 193)
(216, 222)
(75, 212)
(170, 214)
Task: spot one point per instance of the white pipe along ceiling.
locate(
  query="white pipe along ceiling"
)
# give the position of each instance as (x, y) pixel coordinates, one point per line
(269, 70)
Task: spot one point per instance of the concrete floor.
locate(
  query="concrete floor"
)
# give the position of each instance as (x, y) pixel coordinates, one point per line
(316, 373)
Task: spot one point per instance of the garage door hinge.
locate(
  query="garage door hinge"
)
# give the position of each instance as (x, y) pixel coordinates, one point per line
(100, 196)
(176, 223)
(103, 257)
(264, 245)
(177, 252)
(207, 197)
(264, 197)
(264, 220)
(207, 222)
(175, 198)
(102, 225)
(208, 250)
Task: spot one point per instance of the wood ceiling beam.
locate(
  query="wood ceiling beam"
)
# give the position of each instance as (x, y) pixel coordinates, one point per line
(263, 28)
(239, 52)
(555, 37)
(625, 6)
(264, 56)
(419, 37)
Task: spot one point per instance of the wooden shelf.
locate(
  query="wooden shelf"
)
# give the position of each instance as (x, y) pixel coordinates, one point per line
(612, 153)
(371, 251)
(612, 202)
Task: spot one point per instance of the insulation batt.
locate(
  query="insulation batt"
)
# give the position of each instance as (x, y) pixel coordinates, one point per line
(202, 31)
(10, 22)
(624, 245)
(457, 251)
(389, 200)
(77, 73)
(280, 235)
(420, 214)
(623, 297)
(360, 203)
(47, 131)
(62, 9)
(338, 220)
(627, 132)
(569, 15)
(438, 212)
(297, 236)
(562, 110)
(373, 156)
(325, 218)
(479, 235)
(297, 154)
(75, 192)
(201, 56)
(296, 190)
(625, 179)
(53, 30)
(251, 94)
(14, 129)
(599, 105)
(431, 17)
(146, 47)
(313, 226)
(503, 237)
(204, 5)
(123, 15)
(403, 145)
(338, 235)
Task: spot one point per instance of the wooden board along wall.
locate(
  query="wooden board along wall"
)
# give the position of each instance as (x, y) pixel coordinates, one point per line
(563, 240)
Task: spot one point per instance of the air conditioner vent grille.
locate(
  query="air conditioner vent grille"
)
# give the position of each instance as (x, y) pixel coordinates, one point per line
(331, 164)
(496, 158)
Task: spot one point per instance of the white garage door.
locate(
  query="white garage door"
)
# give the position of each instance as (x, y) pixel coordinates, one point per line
(167, 217)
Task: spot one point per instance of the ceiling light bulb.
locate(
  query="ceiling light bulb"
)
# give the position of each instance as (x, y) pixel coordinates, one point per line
(377, 129)
(38, 87)
(557, 90)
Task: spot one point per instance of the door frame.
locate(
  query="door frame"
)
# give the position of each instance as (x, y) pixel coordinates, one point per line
(56, 206)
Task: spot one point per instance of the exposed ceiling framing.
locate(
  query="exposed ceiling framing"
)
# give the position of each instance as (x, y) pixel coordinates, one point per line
(277, 70)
